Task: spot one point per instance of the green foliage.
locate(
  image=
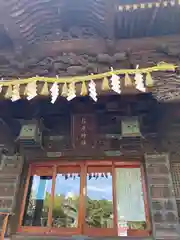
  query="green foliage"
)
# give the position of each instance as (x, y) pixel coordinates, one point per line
(99, 213)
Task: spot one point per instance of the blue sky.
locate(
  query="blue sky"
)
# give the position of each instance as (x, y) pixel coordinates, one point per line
(96, 189)
(101, 188)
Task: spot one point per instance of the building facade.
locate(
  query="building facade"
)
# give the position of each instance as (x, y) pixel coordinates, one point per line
(82, 168)
(99, 166)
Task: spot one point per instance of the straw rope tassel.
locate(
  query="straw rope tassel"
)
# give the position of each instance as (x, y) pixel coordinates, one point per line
(26, 90)
(127, 81)
(31, 90)
(105, 84)
(149, 80)
(45, 90)
(64, 90)
(15, 93)
(84, 91)
(8, 93)
(71, 91)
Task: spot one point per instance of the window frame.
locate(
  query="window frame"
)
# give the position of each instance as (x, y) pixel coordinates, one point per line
(82, 229)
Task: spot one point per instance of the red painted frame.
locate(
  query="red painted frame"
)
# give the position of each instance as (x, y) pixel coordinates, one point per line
(81, 227)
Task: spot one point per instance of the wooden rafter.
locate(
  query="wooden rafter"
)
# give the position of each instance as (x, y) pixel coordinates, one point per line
(153, 18)
(12, 29)
(111, 7)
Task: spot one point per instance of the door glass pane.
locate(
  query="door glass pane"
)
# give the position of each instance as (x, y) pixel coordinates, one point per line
(66, 198)
(99, 204)
(130, 199)
(37, 201)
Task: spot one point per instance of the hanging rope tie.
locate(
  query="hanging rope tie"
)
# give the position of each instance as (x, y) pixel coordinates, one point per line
(112, 80)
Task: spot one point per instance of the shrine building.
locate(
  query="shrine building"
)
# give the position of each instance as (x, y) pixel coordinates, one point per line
(89, 119)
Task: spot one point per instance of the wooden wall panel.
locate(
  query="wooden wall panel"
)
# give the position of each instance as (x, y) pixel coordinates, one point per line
(9, 181)
(175, 169)
(161, 197)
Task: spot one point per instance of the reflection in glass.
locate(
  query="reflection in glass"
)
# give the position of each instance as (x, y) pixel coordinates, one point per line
(130, 199)
(99, 204)
(66, 199)
(37, 201)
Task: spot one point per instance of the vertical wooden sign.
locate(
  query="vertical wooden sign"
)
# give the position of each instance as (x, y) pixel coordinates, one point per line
(83, 131)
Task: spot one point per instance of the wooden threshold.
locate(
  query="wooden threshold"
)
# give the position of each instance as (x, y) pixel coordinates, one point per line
(82, 237)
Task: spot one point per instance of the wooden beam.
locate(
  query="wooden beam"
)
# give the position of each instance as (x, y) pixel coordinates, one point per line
(111, 7)
(96, 46)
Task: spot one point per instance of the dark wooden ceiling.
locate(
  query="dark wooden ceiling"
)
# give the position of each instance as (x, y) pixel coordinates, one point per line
(148, 22)
(27, 22)
(5, 40)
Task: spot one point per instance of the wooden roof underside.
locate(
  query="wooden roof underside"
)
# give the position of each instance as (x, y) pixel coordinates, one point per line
(26, 22)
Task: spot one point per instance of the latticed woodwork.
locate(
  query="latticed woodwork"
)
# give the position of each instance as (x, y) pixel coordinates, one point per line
(178, 207)
(163, 203)
(175, 168)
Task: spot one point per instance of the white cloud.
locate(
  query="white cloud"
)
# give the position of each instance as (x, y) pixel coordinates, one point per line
(98, 189)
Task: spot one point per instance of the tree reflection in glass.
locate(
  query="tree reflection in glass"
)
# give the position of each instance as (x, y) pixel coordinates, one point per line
(99, 204)
(37, 204)
(66, 198)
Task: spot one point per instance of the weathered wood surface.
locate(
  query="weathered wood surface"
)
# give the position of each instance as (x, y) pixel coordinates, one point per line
(170, 135)
(84, 130)
(10, 171)
(39, 21)
(168, 45)
(11, 28)
(103, 131)
(54, 19)
(107, 113)
(86, 56)
(9, 182)
(25, 237)
(161, 195)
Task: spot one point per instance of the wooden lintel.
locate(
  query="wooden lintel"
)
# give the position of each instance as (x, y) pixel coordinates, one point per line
(95, 46)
